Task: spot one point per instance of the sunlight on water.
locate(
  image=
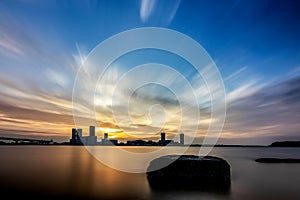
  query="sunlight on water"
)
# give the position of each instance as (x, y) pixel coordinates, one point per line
(65, 171)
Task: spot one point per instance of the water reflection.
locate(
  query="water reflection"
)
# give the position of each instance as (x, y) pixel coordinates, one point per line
(89, 178)
(65, 172)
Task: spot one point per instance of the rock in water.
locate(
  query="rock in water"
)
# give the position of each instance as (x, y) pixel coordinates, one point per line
(278, 160)
(188, 172)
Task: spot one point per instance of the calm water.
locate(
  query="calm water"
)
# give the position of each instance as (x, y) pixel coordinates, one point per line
(71, 172)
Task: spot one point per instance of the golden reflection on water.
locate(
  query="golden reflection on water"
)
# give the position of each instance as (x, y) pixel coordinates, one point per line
(70, 171)
(66, 170)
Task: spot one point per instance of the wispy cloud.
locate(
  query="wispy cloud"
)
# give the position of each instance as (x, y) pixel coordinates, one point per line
(271, 112)
(164, 10)
(147, 8)
(58, 78)
(243, 91)
(8, 46)
(236, 73)
(37, 78)
(265, 112)
(23, 46)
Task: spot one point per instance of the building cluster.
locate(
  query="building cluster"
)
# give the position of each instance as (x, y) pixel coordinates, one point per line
(161, 142)
(78, 139)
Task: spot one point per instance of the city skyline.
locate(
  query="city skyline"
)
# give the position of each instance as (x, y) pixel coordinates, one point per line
(255, 45)
(77, 138)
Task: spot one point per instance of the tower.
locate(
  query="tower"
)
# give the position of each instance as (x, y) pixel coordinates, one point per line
(92, 130)
(163, 137)
(76, 136)
(74, 133)
(181, 135)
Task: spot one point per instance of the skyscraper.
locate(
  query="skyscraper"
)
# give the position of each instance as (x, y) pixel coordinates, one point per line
(181, 139)
(92, 130)
(76, 136)
(163, 138)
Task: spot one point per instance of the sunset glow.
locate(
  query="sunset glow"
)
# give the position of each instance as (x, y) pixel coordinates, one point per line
(43, 45)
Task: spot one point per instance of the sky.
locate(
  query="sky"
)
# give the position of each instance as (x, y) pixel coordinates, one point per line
(255, 45)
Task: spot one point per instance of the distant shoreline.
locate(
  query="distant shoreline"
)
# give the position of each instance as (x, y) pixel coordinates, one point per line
(291, 144)
(194, 145)
(277, 160)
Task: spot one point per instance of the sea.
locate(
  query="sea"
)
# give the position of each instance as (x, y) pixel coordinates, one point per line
(71, 172)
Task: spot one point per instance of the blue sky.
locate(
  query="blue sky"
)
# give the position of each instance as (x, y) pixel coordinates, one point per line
(263, 35)
(255, 44)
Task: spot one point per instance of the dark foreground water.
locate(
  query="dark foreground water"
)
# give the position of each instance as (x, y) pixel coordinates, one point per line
(68, 172)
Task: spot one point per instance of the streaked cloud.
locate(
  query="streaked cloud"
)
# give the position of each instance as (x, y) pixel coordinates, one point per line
(8, 46)
(57, 78)
(39, 58)
(268, 112)
(236, 73)
(165, 10)
(243, 91)
(271, 112)
(147, 8)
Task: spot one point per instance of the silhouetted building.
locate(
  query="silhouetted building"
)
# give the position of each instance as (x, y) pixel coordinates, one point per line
(135, 142)
(181, 139)
(163, 137)
(76, 136)
(91, 139)
(141, 143)
(78, 139)
(162, 140)
(92, 130)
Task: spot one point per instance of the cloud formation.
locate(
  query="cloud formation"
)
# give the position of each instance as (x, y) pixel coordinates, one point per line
(269, 114)
(147, 8)
(166, 10)
(37, 76)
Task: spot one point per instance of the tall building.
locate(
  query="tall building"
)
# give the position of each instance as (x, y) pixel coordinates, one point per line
(163, 137)
(181, 137)
(92, 130)
(162, 140)
(76, 136)
(91, 139)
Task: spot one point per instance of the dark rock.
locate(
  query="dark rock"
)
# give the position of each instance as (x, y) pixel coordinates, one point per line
(189, 172)
(277, 160)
